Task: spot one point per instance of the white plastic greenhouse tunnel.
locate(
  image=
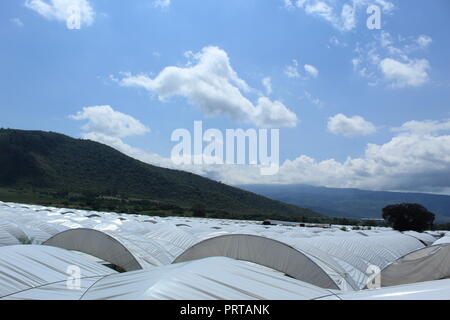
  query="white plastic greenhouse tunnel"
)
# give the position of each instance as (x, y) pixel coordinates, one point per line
(125, 256)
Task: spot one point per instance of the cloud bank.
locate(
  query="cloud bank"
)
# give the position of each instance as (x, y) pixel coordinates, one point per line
(350, 126)
(416, 158)
(59, 10)
(210, 83)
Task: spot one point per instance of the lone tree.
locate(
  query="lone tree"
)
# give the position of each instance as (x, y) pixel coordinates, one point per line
(408, 216)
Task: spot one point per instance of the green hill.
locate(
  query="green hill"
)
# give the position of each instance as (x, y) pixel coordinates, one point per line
(54, 169)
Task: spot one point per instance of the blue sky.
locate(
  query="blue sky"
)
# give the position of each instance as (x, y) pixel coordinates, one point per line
(336, 88)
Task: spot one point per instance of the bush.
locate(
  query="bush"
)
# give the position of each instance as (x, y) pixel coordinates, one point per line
(408, 216)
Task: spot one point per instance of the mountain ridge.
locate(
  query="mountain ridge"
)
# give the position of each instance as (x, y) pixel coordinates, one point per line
(351, 202)
(55, 166)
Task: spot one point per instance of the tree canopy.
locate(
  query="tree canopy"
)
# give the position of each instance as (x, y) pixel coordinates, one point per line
(408, 216)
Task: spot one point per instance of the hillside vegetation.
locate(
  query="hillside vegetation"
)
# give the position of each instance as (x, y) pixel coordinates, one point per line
(54, 169)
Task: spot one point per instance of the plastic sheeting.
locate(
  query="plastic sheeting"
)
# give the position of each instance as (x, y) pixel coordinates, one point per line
(135, 242)
(128, 251)
(352, 265)
(6, 239)
(432, 290)
(55, 291)
(345, 260)
(25, 267)
(426, 239)
(266, 252)
(429, 263)
(356, 254)
(43, 276)
(443, 240)
(173, 233)
(211, 278)
(98, 244)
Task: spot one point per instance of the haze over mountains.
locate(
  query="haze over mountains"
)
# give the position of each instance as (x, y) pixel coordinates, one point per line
(351, 203)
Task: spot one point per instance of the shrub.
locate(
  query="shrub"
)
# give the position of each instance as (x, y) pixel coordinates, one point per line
(408, 216)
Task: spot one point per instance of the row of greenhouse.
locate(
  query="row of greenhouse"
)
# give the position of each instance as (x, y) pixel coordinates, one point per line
(55, 253)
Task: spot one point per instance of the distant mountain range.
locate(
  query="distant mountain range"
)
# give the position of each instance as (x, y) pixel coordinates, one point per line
(351, 203)
(54, 169)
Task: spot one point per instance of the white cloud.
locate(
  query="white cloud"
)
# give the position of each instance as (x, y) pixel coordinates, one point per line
(319, 8)
(423, 127)
(161, 3)
(106, 121)
(288, 4)
(270, 113)
(385, 61)
(350, 126)
(311, 70)
(407, 162)
(414, 160)
(411, 74)
(17, 22)
(210, 83)
(60, 9)
(335, 42)
(213, 171)
(348, 18)
(136, 153)
(417, 159)
(291, 71)
(341, 15)
(424, 41)
(267, 83)
(107, 126)
(344, 21)
(386, 6)
(313, 100)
